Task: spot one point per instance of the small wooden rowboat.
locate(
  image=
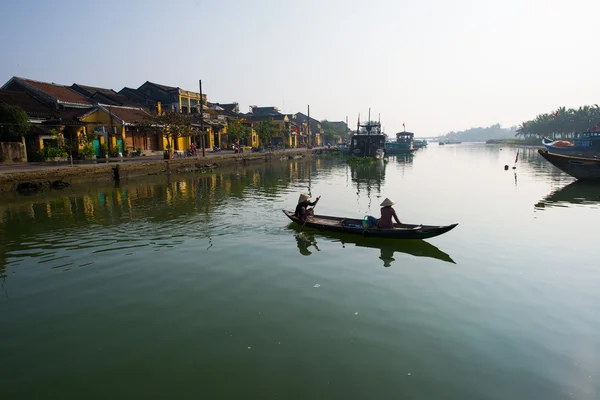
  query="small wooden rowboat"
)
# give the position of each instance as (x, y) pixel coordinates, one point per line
(350, 225)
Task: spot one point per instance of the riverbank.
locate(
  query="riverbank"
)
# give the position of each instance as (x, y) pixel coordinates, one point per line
(521, 142)
(34, 177)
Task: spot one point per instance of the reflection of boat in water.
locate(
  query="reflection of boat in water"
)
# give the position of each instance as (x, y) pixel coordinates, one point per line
(582, 168)
(578, 192)
(307, 242)
(357, 227)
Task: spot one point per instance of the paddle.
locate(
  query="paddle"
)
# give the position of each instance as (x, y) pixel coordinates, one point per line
(312, 209)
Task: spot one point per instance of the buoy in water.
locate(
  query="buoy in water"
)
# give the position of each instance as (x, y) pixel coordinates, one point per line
(506, 167)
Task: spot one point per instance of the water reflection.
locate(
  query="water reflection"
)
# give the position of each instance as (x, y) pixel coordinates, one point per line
(368, 177)
(156, 212)
(405, 159)
(307, 244)
(577, 192)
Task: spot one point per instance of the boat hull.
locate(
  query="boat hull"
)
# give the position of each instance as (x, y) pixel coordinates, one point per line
(582, 168)
(398, 148)
(354, 226)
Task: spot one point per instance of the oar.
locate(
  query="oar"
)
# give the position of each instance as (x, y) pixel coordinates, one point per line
(306, 219)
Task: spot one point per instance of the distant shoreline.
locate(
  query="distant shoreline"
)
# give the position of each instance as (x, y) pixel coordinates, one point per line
(522, 142)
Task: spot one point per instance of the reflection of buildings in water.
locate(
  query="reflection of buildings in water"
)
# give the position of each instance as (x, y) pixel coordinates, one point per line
(368, 177)
(387, 247)
(575, 193)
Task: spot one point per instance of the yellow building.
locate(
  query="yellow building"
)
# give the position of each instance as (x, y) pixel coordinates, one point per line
(121, 128)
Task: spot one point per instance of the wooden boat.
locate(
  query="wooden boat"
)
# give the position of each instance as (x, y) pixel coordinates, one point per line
(355, 226)
(582, 168)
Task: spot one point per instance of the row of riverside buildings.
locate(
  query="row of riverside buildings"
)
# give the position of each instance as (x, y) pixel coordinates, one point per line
(119, 119)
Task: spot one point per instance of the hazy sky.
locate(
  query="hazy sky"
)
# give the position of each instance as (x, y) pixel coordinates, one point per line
(435, 65)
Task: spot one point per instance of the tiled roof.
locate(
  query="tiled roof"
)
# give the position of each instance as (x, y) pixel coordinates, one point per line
(163, 87)
(62, 94)
(135, 95)
(91, 90)
(32, 106)
(128, 115)
(115, 99)
(74, 113)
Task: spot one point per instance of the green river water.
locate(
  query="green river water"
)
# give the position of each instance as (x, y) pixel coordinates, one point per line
(198, 287)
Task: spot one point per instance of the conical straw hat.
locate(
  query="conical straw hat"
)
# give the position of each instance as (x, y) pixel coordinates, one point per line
(387, 202)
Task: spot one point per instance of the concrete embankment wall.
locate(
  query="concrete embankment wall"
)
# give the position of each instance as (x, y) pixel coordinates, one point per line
(12, 152)
(39, 178)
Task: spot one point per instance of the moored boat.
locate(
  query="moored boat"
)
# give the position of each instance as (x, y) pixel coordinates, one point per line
(418, 143)
(584, 144)
(369, 142)
(449, 141)
(355, 226)
(582, 168)
(403, 144)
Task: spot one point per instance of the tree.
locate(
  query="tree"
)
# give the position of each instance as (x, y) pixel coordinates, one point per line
(14, 121)
(237, 130)
(333, 131)
(266, 129)
(562, 122)
(170, 125)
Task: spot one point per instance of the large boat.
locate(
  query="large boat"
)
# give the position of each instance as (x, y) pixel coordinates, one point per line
(583, 144)
(582, 168)
(369, 142)
(356, 226)
(403, 144)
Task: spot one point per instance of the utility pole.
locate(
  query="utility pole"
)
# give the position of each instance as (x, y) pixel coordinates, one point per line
(202, 119)
(308, 122)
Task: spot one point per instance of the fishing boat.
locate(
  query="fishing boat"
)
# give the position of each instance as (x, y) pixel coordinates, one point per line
(403, 144)
(356, 226)
(368, 142)
(583, 144)
(582, 168)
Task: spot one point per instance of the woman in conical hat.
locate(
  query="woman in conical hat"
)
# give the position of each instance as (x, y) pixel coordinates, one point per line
(302, 210)
(387, 213)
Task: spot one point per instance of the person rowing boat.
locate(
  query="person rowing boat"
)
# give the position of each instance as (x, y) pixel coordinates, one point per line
(302, 211)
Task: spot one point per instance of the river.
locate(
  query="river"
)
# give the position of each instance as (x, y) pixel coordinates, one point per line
(197, 286)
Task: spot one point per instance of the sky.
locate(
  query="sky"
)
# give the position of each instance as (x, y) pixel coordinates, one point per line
(434, 65)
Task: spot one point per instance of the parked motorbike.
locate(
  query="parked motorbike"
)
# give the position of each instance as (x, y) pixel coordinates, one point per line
(216, 149)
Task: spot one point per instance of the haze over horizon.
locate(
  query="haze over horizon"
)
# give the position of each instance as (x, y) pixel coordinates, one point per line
(437, 66)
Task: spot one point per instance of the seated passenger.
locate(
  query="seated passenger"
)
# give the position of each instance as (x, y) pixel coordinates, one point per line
(387, 213)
